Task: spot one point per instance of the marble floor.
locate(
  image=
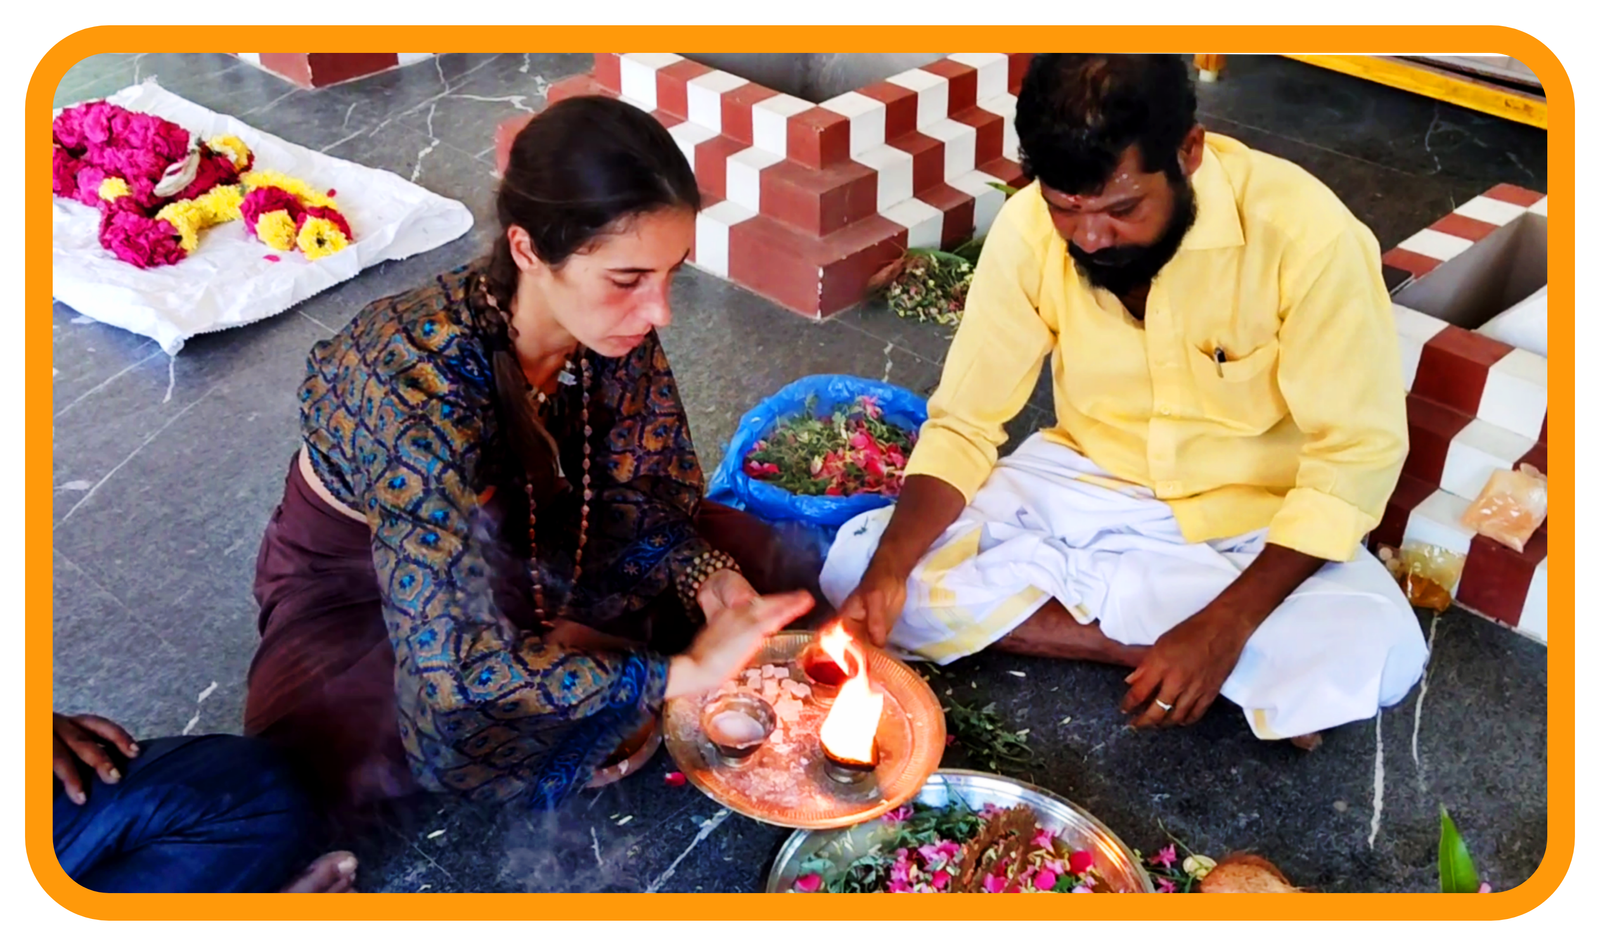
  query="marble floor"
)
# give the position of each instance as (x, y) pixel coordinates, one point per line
(167, 469)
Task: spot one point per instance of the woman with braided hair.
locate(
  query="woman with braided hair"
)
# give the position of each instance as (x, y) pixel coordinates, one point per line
(493, 563)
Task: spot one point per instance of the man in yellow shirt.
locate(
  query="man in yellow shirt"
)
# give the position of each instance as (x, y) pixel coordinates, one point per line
(1230, 422)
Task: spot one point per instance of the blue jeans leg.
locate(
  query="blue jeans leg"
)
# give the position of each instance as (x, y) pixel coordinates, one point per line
(192, 814)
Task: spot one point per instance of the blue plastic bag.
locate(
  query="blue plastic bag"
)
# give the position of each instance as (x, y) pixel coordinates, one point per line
(823, 515)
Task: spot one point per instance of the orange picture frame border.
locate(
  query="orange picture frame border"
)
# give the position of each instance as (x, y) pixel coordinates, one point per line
(1304, 40)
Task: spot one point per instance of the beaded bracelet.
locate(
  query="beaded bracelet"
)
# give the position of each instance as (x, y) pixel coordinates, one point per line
(703, 567)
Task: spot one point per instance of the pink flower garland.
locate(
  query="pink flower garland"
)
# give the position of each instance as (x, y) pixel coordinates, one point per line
(114, 160)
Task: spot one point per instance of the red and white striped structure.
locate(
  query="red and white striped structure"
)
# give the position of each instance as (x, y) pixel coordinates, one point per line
(316, 70)
(804, 201)
(1475, 405)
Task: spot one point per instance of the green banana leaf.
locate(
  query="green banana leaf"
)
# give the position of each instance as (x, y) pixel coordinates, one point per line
(1456, 871)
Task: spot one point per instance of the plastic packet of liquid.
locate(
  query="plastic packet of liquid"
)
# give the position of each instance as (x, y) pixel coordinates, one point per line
(1511, 507)
(1426, 573)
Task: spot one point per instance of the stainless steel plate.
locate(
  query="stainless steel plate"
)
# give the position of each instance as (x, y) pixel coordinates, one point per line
(1114, 859)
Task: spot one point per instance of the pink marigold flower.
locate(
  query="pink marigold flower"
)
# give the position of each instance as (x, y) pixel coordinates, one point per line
(1165, 857)
(1080, 861)
(1163, 885)
(63, 173)
(1045, 839)
(898, 815)
(810, 883)
(899, 886)
(1045, 880)
(870, 405)
(1081, 889)
(941, 879)
(265, 200)
(140, 241)
(994, 883)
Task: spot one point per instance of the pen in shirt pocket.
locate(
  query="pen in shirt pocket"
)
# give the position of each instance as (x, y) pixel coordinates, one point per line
(1219, 356)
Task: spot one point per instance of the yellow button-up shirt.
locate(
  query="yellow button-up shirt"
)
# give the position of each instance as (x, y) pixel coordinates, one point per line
(1300, 428)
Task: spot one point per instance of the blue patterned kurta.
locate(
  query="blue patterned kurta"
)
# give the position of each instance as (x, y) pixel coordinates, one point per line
(398, 415)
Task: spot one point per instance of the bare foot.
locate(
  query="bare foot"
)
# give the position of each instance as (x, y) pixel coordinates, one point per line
(1307, 742)
(1052, 632)
(331, 873)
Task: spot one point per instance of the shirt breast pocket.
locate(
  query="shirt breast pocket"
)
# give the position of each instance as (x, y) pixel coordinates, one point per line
(1239, 391)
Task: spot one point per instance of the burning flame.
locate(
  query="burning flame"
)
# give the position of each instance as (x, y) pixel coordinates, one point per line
(851, 727)
(837, 643)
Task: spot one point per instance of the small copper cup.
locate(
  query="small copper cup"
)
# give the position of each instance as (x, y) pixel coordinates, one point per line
(849, 771)
(823, 675)
(737, 725)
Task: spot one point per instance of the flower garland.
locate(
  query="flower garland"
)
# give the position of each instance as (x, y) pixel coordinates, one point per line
(158, 189)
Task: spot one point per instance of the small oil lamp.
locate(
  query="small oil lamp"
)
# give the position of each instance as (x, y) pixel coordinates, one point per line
(736, 725)
(828, 662)
(849, 734)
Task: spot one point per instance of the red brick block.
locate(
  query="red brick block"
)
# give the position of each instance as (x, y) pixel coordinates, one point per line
(737, 122)
(608, 71)
(1414, 263)
(1512, 194)
(927, 159)
(1495, 580)
(819, 138)
(900, 103)
(817, 202)
(1455, 366)
(1432, 427)
(1408, 494)
(672, 87)
(963, 81)
(1007, 170)
(1019, 68)
(711, 167)
(991, 133)
(1466, 228)
(815, 277)
(959, 209)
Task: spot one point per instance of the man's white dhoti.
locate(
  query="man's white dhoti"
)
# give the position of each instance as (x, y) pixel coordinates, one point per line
(1048, 523)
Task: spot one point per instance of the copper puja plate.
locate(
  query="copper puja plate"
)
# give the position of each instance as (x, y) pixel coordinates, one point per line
(784, 782)
(1114, 860)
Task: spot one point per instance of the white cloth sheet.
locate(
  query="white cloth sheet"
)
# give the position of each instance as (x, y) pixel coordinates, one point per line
(228, 281)
(1049, 523)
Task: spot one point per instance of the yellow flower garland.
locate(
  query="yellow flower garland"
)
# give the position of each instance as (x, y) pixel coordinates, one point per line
(277, 230)
(188, 218)
(232, 148)
(319, 238)
(307, 194)
(221, 203)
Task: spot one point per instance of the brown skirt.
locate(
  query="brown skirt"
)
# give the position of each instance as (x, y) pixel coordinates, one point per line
(322, 684)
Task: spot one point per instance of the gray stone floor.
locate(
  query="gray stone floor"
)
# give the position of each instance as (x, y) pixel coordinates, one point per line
(166, 471)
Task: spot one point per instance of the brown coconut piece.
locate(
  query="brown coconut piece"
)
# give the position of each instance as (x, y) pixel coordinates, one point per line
(1006, 835)
(1246, 873)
